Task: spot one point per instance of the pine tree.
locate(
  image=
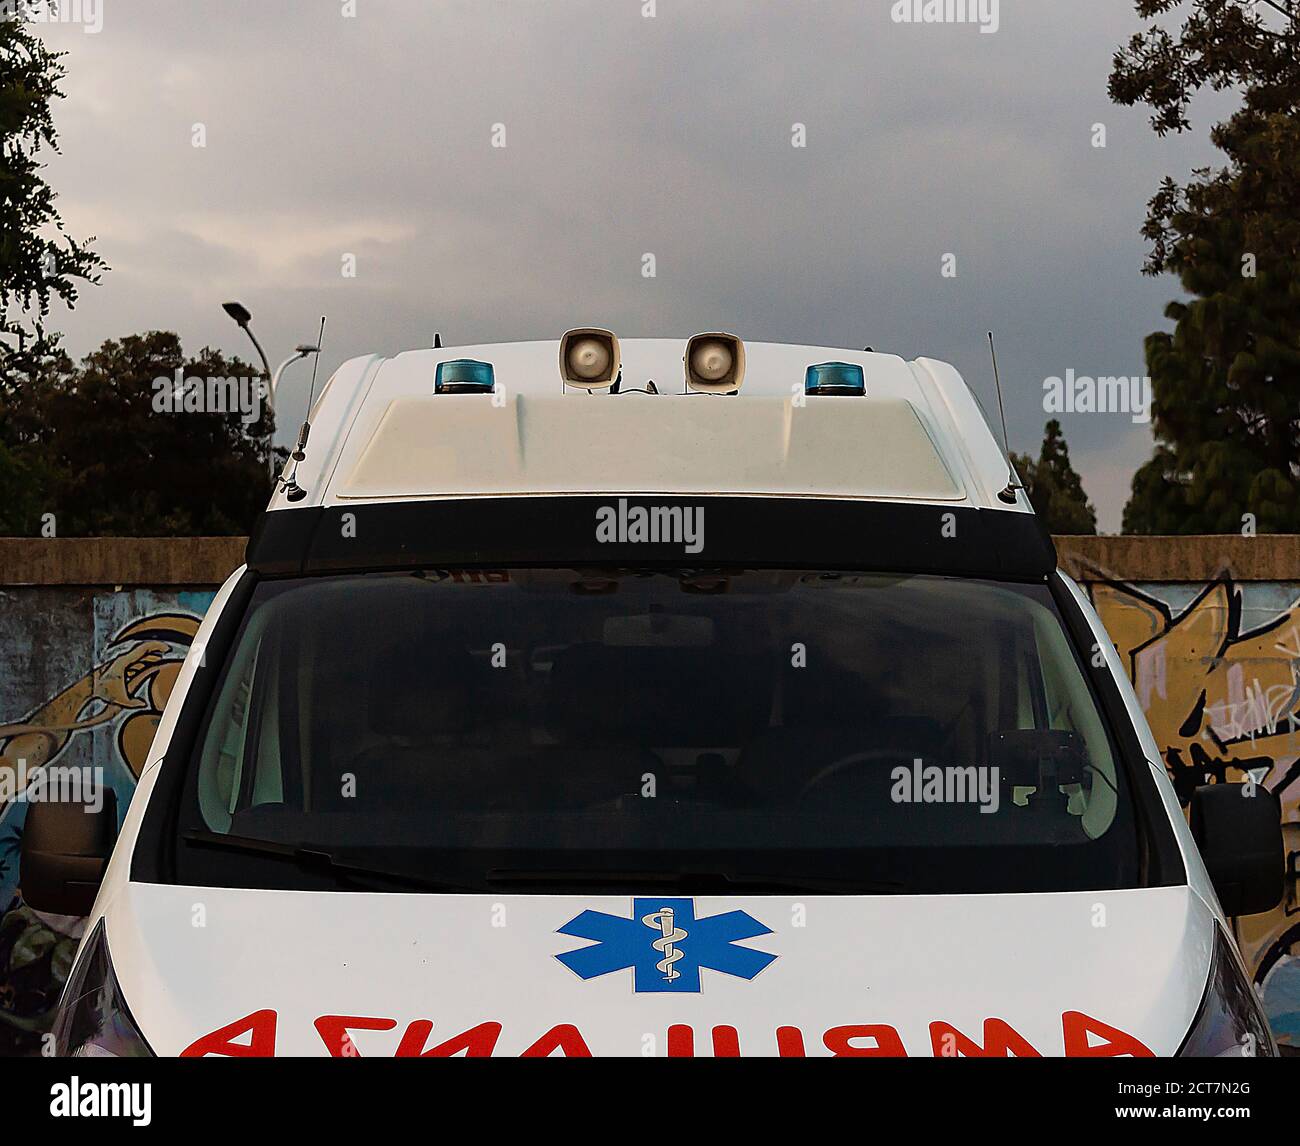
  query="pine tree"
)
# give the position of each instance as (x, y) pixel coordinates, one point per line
(1226, 381)
(1055, 490)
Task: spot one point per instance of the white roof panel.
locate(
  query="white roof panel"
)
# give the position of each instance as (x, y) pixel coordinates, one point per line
(467, 445)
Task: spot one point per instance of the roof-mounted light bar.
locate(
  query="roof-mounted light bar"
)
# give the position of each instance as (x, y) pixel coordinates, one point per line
(715, 363)
(464, 376)
(590, 358)
(828, 379)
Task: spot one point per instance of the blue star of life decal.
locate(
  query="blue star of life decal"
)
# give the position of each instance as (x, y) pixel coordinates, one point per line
(665, 945)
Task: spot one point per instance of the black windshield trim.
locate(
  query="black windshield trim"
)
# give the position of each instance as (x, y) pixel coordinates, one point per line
(154, 858)
(748, 532)
(1162, 862)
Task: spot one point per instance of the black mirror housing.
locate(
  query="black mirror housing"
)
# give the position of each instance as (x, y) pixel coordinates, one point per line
(1238, 828)
(65, 850)
(1022, 756)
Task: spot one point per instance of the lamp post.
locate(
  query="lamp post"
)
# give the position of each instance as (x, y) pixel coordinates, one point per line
(240, 313)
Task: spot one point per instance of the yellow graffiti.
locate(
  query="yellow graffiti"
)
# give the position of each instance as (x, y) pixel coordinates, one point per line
(137, 680)
(1210, 692)
(1219, 702)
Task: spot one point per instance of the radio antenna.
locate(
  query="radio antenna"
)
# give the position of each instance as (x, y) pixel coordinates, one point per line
(292, 490)
(1013, 481)
(320, 343)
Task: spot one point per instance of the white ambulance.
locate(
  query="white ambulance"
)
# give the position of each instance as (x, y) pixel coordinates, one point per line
(661, 698)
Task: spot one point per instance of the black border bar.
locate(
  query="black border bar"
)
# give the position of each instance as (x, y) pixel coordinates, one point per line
(752, 532)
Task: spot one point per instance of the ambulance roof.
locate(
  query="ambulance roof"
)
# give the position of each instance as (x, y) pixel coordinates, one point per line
(381, 434)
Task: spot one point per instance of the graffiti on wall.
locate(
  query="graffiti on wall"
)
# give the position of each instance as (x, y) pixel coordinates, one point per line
(1217, 670)
(102, 722)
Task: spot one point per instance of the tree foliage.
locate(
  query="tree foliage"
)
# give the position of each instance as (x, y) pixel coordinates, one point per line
(39, 261)
(1055, 490)
(93, 449)
(1226, 381)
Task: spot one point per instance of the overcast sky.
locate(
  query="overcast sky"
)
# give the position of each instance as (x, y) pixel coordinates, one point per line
(372, 136)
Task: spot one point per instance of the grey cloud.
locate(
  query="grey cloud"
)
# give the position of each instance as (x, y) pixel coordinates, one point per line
(626, 135)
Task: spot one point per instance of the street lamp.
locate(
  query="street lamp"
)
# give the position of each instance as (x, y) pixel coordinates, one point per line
(240, 313)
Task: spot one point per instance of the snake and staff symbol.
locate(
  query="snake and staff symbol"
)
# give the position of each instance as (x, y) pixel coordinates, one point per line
(670, 936)
(657, 959)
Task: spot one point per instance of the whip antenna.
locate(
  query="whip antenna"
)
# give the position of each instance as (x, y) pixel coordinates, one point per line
(320, 343)
(1013, 481)
(292, 490)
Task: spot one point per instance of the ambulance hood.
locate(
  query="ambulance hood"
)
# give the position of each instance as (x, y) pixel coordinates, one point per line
(216, 971)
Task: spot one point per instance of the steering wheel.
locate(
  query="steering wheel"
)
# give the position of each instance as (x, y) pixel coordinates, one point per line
(846, 764)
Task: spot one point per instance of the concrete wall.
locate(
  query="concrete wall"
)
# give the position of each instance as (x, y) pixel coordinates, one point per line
(92, 633)
(85, 671)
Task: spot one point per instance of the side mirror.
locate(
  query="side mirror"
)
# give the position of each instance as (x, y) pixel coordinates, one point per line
(1238, 828)
(65, 850)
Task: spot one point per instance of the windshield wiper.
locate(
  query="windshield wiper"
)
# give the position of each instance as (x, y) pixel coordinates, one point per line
(699, 882)
(314, 858)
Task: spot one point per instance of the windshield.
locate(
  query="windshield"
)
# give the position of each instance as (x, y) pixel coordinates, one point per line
(570, 730)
